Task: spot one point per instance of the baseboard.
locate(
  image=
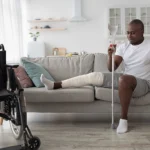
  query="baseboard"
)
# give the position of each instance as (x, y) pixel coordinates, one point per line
(81, 117)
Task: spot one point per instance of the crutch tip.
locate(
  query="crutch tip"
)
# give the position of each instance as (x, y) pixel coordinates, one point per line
(113, 126)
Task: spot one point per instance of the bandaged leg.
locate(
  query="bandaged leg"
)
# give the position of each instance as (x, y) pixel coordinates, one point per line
(94, 78)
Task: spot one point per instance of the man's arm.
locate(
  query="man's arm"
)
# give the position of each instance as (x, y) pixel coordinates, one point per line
(117, 60)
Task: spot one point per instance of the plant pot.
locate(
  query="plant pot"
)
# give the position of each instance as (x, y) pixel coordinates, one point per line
(34, 39)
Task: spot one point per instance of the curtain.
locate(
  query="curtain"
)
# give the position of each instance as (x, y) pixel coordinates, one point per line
(11, 29)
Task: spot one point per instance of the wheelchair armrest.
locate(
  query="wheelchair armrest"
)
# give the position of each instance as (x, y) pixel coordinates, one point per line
(12, 65)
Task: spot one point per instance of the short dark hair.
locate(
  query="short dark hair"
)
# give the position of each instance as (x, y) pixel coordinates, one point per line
(137, 21)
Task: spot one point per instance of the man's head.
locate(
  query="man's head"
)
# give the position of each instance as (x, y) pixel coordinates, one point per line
(135, 31)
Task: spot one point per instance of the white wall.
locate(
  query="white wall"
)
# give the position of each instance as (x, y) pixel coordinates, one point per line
(90, 36)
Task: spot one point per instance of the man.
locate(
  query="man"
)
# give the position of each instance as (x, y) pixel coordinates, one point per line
(135, 81)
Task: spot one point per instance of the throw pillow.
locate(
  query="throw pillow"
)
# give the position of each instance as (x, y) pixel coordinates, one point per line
(34, 71)
(24, 79)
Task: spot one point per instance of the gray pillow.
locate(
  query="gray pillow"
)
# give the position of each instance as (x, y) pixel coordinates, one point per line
(34, 71)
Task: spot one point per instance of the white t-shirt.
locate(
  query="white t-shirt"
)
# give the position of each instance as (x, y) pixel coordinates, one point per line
(136, 59)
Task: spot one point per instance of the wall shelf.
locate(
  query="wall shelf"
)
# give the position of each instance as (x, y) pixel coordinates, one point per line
(40, 27)
(50, 29)
(47, 20)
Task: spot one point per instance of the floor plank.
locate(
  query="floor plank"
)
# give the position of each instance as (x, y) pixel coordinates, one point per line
(82, 136)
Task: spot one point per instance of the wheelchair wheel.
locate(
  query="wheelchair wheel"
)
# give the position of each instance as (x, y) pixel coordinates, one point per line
(34, 143)
(16, 130)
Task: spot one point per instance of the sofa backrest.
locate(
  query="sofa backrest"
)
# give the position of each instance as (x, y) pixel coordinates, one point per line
(100, 63)
(62, 68)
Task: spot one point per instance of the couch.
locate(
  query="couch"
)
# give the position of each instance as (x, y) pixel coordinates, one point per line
(86, 99)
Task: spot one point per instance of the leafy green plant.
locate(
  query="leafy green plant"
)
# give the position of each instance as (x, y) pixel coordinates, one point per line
(34, 35)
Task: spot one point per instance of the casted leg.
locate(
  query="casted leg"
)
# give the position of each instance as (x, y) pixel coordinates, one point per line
(94, 78)
(127, 84)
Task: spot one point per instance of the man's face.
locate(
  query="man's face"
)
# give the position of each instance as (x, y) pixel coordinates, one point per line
(134, 33)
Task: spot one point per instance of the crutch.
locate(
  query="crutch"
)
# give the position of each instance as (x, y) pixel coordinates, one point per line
(112, 32)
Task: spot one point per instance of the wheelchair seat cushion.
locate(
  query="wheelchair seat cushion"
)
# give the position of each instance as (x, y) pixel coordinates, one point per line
(4, 94)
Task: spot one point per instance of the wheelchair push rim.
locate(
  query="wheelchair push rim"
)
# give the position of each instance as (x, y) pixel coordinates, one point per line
(17, 130)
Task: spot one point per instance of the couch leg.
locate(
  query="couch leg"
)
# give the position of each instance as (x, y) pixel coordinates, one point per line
(1, 120)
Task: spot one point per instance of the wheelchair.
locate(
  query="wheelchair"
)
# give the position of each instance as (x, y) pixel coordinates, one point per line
(13, 106)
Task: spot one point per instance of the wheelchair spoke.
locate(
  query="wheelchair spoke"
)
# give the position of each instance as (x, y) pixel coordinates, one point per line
(17, 130)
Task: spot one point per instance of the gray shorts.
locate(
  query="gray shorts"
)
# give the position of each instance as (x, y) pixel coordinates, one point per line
(142, 87)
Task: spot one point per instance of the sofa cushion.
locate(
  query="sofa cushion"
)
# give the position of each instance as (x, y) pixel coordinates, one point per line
(62, 68)
(100, 64)
(24, 79)
(105, 94)
(34, 71)
(84, 94)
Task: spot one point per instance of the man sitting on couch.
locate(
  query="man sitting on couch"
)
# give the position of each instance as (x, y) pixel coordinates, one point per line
(135, 81)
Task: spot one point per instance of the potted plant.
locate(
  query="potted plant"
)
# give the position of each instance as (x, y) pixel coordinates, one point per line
(34, 35)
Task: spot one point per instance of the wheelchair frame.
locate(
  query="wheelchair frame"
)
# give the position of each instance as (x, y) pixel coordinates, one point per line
(14, 109)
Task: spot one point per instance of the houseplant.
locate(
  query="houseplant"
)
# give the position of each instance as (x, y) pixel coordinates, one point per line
(34, 35)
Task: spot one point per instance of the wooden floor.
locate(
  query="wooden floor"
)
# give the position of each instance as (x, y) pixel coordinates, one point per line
(82, 136)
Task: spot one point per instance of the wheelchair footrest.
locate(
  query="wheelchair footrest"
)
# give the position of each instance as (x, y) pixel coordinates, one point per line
(17, 147)
(4, 116)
